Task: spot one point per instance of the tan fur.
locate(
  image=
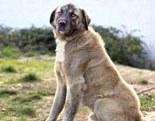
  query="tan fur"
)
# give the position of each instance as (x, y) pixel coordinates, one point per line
(91, 78)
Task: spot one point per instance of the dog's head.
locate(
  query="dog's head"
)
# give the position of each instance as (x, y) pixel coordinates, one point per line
(69, 18)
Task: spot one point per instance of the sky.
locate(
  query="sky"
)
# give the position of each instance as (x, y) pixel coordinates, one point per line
(134, 14)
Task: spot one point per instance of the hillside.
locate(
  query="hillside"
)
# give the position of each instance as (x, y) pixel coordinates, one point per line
(27, 88)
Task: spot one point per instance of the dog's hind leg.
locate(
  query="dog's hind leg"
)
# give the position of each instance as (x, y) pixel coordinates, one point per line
(108, 110)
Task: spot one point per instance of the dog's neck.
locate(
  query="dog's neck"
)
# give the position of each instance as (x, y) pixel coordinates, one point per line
(76, 35)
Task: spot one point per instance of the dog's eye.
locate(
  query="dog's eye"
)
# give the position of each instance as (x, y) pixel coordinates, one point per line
(60, 13)
(73, 15)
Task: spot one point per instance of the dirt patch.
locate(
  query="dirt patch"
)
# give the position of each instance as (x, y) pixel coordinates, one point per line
(132, 75)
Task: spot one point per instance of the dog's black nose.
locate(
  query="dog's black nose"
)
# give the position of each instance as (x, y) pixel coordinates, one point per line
(62, 23)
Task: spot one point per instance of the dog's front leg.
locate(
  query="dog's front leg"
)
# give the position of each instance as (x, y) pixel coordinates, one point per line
(59, 99)
(75, 87)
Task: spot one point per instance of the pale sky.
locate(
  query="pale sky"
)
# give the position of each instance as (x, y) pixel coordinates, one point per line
(134, 14)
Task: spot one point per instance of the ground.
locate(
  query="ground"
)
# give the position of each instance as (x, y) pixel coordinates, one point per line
(27, 88)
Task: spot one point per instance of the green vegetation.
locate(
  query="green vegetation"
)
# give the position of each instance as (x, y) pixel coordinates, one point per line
(30, 77)
(8, 69)
(147, 102)
(44, 93)
(29, 69)
(32, 39)
(20, 105)
(6, 92)
(31, 54)
(143, 81)
(9, 52)
(122, 46)
(20, 100)
(12, 109)
(23, 110)
(17, 110)
(26, 98)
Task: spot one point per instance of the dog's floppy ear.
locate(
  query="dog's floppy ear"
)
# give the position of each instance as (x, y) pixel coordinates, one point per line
(52, 17)
(85, 19)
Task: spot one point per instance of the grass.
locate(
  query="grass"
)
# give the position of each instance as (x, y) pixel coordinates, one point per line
(9, 52)
(8, 69)
(14, 53)
(26, 98)
(6, 92)
(45, 93)
(18, 111)
(21, 110)
(147, 102)
(143, 81)
(40, 68)
(20, 105)
(31, 54)
(50, 53)
(30, 77)
(22, 101)
(11, 109)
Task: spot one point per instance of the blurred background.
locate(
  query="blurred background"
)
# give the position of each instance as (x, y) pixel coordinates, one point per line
(123, 18)
(27, 52)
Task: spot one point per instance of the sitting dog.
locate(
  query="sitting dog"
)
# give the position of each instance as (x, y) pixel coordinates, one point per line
(85, 73)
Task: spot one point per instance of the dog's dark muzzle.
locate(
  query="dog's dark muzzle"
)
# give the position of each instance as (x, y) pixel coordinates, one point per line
(62, 25)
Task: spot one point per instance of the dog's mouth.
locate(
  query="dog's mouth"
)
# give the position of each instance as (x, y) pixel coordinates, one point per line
(64, 31)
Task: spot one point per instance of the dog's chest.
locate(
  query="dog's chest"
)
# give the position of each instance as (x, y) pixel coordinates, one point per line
(60, 50)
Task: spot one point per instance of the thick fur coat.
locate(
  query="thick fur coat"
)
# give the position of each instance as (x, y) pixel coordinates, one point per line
(85, 74)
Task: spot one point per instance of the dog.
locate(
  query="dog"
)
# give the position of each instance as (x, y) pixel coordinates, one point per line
(85, 73)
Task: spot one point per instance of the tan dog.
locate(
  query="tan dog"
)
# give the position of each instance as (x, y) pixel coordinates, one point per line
(85, 73)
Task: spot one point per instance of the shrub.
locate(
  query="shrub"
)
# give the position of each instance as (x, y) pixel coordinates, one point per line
(9, 52)
(35, 39)
(123, 47)
(30, 77)
(9, 69)
(29, 39)
(31, 54)
(143, 81)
